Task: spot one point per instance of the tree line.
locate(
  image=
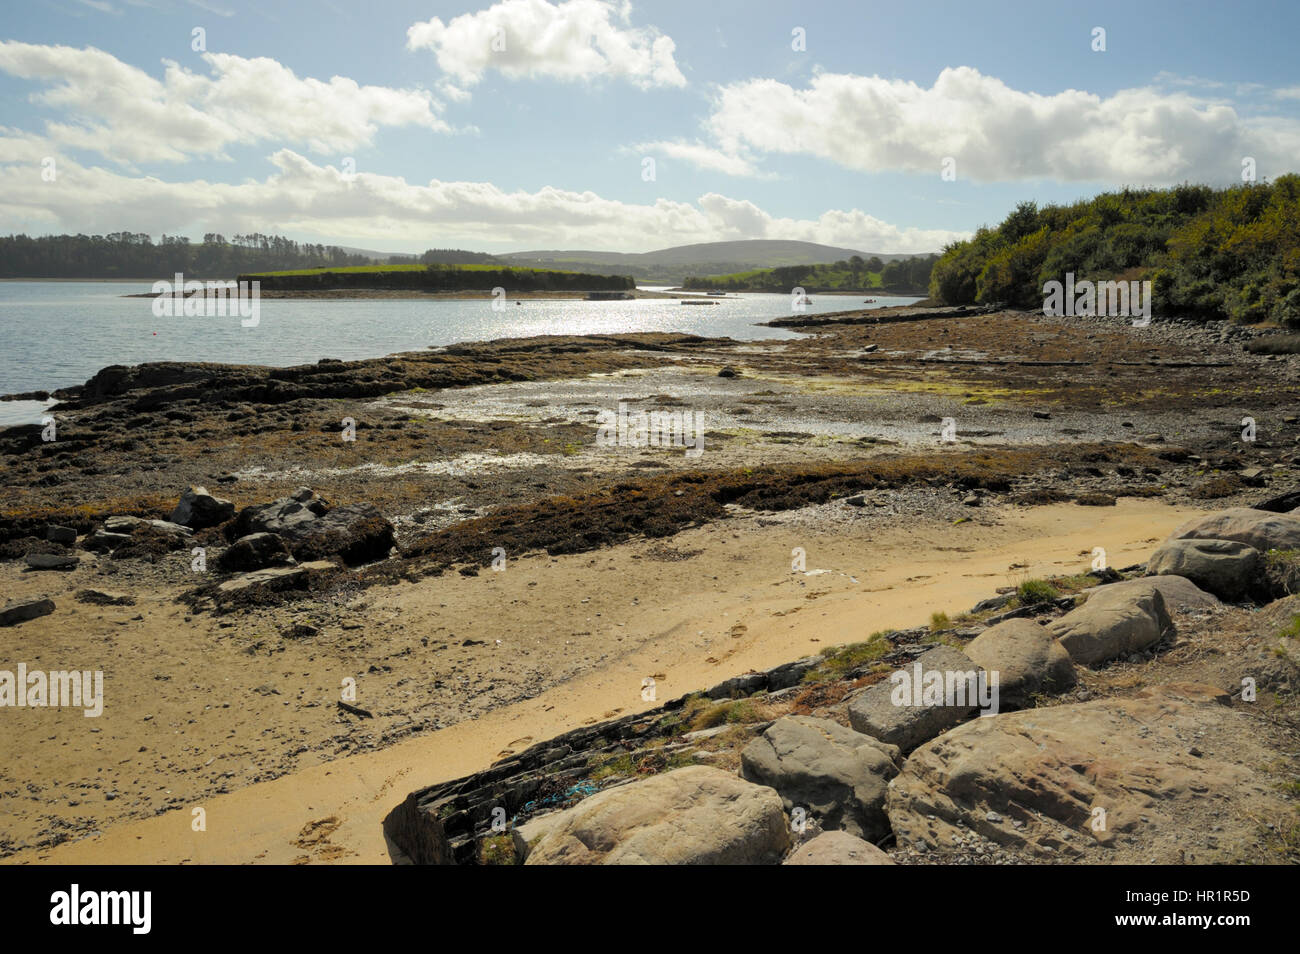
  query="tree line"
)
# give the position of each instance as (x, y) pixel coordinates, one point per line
(136, 255)
(852, 274)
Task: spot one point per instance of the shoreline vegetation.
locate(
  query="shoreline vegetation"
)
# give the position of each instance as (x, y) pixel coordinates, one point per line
(854, 275)
(1209, 254)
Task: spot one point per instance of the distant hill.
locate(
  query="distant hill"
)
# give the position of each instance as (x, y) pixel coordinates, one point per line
(706, 258)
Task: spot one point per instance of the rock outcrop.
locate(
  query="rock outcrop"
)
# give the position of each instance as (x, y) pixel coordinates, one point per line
(1064, 781)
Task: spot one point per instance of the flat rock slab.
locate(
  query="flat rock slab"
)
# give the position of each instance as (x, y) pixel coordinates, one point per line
(1115, 780)
(878, 712)
(276, 578)
(1112, 624)
(51, 561)
(692, 816)
(837, 848)
(837, 776)
(22, 610)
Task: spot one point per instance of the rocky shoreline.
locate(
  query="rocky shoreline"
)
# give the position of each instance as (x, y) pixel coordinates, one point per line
(1076, 767)
(326, 558)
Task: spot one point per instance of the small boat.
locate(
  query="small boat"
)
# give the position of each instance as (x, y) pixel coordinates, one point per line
(868, 301)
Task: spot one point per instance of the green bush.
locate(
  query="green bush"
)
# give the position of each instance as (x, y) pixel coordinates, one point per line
(1209, 253)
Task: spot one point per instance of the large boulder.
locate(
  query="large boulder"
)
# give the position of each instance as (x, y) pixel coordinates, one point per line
(358, 533)
(898, 712)
(1229, 569)
(1180, 594)
(286, 516)
(198, 509)
(1113, 624)
(837, 848)
(692, 816)
(1116, 779)
(257, 551)
(1256, 528)
(1027, 658)
(836, 775)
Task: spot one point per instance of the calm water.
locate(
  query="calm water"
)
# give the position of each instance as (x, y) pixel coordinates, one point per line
(56, 334)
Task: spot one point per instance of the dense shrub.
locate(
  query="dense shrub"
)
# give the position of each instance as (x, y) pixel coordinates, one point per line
(1209, 253)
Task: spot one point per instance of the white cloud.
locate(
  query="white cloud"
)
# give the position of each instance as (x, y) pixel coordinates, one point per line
(301, 197)
(701, 156)
(129, 116)
(574, 40)
(999, 134)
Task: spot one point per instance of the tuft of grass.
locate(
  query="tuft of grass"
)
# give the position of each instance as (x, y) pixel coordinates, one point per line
(727, 711)
(621, 765)
(839, 660)
(1282, 571)
(1034, 592)
(939, 621)
(498, 850)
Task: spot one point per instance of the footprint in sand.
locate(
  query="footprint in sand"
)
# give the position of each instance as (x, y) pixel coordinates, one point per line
(316, 833)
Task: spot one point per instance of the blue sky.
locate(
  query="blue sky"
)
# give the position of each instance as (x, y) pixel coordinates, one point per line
(455, 142)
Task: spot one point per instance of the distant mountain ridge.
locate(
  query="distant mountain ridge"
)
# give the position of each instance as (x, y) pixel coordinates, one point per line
(755, 253)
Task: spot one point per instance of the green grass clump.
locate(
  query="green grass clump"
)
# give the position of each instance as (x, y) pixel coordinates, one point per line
(1282, 570)
(498, 850)
(838, 660)
(1034, 592)
(939, 621)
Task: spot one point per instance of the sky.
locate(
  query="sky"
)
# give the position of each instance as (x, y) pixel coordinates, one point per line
(594, 124)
